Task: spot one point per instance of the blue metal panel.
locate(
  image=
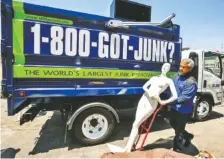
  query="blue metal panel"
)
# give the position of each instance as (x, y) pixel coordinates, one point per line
(7, 64)
(37, 88)
(45, 32)
(3, 45)
(69, 92)
(99, 63)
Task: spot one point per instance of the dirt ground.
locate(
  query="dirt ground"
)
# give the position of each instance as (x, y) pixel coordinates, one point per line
(44, 137)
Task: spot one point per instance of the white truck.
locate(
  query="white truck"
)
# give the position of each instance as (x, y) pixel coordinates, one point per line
(208, 72)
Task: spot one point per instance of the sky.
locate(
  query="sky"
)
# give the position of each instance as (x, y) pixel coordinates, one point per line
(201, 21)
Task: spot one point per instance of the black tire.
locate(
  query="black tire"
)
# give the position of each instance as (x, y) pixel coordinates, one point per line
(79, 136)
(209, 103)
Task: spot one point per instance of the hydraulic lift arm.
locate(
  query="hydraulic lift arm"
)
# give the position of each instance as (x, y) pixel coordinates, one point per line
(120, 24)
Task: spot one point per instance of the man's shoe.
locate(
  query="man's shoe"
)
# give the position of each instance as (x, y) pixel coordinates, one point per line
(187, 143)
(188, 139)
(188, 135)
(176, 150)
(191, 136)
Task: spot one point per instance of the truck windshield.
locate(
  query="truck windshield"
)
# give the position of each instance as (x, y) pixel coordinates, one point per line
(212, 64)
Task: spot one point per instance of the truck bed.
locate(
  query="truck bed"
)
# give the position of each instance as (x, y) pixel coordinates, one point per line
(50, 52)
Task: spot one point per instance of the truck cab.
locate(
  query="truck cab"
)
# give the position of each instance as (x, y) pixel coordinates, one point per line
(208, 72)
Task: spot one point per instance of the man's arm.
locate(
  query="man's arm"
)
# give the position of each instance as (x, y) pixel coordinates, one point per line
(189, 91)
(166, 94)
(173, 97)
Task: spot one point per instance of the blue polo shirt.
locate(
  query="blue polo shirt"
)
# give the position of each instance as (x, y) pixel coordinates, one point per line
(186, 87)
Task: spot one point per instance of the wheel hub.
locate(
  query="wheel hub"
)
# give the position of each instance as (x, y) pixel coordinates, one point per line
(94, 126)
(94, 122)
(203, 109)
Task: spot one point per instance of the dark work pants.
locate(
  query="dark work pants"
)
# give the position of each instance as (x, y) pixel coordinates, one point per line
(178, 121)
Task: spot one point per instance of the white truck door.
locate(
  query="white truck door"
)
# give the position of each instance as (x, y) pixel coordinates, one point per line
(212, 76)
(222, 65)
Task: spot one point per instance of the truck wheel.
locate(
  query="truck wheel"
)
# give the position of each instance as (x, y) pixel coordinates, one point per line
(203, 109)
(93, 126)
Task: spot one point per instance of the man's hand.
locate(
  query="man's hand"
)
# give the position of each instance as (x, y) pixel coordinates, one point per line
(162, 102)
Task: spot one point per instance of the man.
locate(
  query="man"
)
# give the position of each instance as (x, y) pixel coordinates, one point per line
(182, 108)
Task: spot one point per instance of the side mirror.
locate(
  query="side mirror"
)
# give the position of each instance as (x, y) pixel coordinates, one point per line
(222, 83)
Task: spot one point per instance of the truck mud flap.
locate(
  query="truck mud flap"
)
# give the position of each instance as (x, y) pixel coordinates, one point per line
(29, 115)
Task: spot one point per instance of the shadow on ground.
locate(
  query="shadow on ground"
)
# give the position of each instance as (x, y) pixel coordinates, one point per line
(52, 132)
(168, 144)
(215, 115)
(9, 153)
(51, 135)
